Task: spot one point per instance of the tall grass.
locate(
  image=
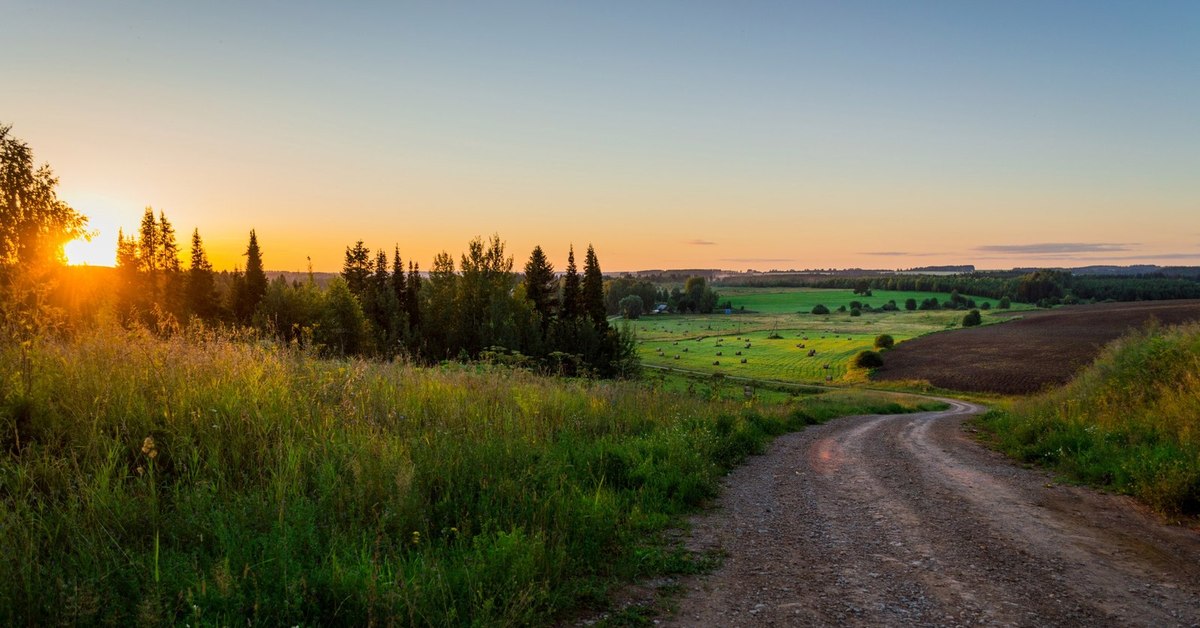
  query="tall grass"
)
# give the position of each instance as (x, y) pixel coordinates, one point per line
(208, 480)
(1130, 422)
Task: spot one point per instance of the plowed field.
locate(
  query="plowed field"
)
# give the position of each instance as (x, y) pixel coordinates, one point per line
(1038, 350)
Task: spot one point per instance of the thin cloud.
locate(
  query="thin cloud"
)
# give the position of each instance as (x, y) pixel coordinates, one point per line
(1053, 248)
(896, 254)
(699, 242)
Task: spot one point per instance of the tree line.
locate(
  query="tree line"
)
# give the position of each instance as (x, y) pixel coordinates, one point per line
(380, 307)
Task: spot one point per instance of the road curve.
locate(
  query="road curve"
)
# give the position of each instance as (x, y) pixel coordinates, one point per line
(904, 520)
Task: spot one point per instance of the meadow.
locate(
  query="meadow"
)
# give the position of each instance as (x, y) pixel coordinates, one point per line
(1130, 422)
(776, 343)
(209, 479)
(795, 300)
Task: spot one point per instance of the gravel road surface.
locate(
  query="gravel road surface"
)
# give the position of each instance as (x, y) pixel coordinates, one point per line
(905, 520)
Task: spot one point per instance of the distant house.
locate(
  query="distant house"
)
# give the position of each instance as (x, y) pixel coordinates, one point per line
(660, 308)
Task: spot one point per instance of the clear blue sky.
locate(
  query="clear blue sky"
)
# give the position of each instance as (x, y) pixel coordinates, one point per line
(733, 135)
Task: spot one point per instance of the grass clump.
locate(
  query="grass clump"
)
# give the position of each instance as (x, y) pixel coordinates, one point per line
(206, 480)
(1130, 422)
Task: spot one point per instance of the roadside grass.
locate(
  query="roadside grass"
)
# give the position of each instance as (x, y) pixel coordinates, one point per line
(1129, 423)
(209, 480)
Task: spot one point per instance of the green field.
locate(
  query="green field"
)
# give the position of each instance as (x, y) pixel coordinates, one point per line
(693, 342)
(793, 300)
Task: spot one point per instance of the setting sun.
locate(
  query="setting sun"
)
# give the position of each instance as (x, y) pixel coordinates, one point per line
(98, 251)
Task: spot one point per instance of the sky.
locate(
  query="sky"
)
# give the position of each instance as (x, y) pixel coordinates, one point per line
(736, 135)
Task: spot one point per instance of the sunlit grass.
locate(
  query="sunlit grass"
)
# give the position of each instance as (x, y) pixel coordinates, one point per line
(1130, 422)
(209, 480)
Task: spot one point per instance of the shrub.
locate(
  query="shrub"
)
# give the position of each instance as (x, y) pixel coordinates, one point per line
(986, 306)
(884, 341)
(1004, 303)
(971, 319)
(820, 309)
(868, 360)
(855, 312)
(910, 304)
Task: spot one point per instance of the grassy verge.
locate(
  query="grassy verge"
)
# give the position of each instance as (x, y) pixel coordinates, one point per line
(1130, 423)
(209, 481)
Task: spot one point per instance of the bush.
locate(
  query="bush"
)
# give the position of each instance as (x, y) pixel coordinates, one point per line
(1004, 303)
(884, 341)
(855, 312)
(986, 306)
(820, 309)
(910, 304)
(868, 360)
(972, 319)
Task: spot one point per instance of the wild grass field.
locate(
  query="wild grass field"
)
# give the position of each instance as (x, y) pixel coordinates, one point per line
(202, 479)
(1130, 422)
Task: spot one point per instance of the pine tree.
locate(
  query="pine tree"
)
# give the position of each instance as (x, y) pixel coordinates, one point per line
(539, 286)
(593, 291)
(254, 282)
(201, 284)
(569, 304)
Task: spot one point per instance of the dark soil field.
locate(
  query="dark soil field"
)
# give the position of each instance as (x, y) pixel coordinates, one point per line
(1030, 353)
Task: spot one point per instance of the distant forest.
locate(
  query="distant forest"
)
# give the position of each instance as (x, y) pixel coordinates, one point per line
(1045, 288)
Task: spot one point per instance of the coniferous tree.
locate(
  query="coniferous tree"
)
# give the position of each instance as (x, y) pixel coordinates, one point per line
(171, 288)
(412, 302)
(399, 283)
(539, 286)
(254, 282)
(569, 304)
(593, 291)
(201, 284)
(357, 268)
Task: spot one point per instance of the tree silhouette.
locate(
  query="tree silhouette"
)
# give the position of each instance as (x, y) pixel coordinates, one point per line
(593, 290)
(539, 286)
(569, 304)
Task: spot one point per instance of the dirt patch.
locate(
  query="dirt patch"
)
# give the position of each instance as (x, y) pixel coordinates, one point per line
(1038, 350)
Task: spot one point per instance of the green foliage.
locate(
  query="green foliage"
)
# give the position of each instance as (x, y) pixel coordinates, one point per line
(910, 304)
(1004, 303)
(592, 292)
(631, 307)
(820, 310)
(972, 319)
(207, 480)
(34, 222)
(1130, 422)
(884, 341)
(541, 286)
(868, 360)
(855, 312)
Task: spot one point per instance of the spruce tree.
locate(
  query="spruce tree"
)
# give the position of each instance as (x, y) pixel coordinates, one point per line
(148, 256)
(593, 291)
(171, 284)
(569, 304)
(413, 302)
(201, 285)
(254, 281)
(399, 284)
(539, 285)
(356, 270)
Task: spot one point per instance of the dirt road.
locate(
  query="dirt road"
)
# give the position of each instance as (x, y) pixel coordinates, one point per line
(904, 520)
